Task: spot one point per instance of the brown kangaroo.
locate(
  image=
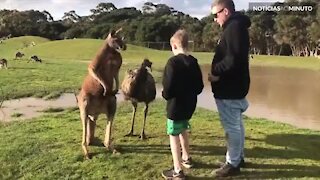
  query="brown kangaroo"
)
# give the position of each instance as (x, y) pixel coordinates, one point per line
(97, 94)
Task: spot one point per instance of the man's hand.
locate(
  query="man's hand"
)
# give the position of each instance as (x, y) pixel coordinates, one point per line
(212, 78)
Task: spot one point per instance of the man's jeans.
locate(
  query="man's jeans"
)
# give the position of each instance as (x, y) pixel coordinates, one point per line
(230, 112)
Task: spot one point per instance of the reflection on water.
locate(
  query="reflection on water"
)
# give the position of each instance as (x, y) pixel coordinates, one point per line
(31, 107)
(285, 95)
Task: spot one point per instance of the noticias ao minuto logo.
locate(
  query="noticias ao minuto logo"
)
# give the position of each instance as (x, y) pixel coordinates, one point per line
(278, 7)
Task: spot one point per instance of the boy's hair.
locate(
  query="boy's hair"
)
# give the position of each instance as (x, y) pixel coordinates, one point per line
(229, 4)
(180, 38)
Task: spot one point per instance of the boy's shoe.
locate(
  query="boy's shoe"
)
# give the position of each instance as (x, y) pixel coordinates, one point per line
(227, 170)
(172, 175)
(187, 163)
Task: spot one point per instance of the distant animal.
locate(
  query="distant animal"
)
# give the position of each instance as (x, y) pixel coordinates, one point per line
(35, 59)
(19, 55)
(3, 64)
(97, 94)
(139, 86)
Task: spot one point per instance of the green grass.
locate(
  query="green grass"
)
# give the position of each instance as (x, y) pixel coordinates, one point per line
(15, 115)
(52, 110)
(48, 147)
(65, 64)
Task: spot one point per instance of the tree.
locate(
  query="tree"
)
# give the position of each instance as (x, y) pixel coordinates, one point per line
(103, 8)
(211, 34)
(71, 17)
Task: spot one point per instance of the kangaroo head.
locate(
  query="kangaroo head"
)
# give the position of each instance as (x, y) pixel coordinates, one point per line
(115, 41)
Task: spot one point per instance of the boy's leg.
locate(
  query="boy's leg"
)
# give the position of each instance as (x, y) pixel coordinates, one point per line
(184, 141)
(174, 129)
(176, 152)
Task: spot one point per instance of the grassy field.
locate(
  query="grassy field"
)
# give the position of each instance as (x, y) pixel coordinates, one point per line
(48, 147)
(65, 64)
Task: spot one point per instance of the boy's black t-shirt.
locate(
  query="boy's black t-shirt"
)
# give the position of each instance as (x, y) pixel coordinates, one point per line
(182, 82)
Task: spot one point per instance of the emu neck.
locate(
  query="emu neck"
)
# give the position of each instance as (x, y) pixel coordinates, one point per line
(139, 81)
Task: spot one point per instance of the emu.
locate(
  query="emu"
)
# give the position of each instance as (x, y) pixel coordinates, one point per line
(35, 59)
(139, 86)
(97, 94)
(3, 64)
(19, 55)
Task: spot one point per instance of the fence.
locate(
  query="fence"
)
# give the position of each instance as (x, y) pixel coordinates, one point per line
(162, 45)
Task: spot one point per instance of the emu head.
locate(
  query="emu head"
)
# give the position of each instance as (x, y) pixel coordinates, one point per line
(115, 41)
(147, 64)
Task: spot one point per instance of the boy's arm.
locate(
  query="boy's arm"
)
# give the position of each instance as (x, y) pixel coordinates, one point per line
(168, 81)
(199, 80)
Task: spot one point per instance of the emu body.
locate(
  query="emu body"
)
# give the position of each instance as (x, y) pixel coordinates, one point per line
(139, 86)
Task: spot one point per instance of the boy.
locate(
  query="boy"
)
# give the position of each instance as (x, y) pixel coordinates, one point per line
(182, 82)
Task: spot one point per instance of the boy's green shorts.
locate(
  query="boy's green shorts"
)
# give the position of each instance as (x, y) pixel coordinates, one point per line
(177, 127)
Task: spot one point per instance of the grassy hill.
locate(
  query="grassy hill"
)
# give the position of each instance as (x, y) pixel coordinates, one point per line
(9, 47)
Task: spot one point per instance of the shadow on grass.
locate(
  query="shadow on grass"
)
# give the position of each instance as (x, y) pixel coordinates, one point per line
(295, 145)
(21, 68)
(272, 171)
(253, 170)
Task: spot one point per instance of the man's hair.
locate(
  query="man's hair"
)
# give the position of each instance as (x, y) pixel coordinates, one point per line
(229, 4)
(181, 38)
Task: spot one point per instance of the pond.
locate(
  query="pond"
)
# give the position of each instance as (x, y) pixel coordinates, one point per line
(280, 94)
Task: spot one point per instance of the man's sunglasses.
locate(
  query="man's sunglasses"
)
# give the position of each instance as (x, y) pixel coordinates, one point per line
(215, 15)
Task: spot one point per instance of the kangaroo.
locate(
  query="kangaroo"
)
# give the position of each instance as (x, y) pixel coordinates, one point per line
(35, 59)
(19, 55)
(97, 94)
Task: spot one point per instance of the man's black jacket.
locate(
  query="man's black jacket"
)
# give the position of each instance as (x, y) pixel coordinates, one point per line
(231, 59)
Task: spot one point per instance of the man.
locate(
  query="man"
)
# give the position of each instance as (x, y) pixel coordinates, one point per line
(230, 81)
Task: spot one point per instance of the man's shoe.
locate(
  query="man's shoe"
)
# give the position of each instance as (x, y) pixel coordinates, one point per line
(242, 164)
(172, 175)
(227, 170)
(187, 163)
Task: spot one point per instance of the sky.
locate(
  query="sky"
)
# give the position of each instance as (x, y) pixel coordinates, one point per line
(57, 8)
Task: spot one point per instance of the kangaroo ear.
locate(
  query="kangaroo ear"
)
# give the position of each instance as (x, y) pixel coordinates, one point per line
(120, 29)
(112, 32)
